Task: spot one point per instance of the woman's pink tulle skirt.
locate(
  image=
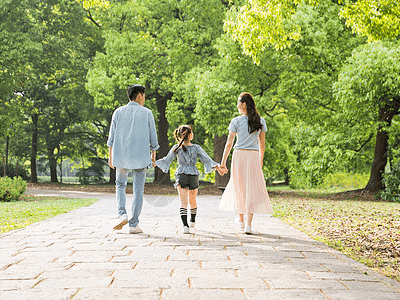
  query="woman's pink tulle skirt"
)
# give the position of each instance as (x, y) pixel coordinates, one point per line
(246, 192)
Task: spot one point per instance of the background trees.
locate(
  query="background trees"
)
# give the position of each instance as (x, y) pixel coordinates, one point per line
(368, 89)
(154, 43)
(319, 46)
(329, 97)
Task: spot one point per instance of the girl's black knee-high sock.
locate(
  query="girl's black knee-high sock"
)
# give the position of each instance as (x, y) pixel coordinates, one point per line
(193, 212)
(183, 212)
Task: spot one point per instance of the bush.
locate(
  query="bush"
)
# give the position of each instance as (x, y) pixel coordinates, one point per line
(391, 180)
(12, 170)
(92, 174)
(346, 180)
(11, 189)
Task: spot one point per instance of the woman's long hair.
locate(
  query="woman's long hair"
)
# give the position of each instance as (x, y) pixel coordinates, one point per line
(182, 134)
(252, 113)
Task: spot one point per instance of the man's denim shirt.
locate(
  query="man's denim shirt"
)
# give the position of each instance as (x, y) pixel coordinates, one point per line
(132, 135)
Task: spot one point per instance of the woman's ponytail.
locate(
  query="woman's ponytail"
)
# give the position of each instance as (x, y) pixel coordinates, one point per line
(254, 119)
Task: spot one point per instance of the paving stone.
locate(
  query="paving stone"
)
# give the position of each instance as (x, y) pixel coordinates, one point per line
(104, 266)
(230, 264)
(71, 273)
(273, 273)
(118, 293)
(340, 267)
(299, 283)
(364, 295)
(205, 273)
(9, 285)
(68, 283)
(169, 265)
(34, 294)
(227, 282)
(367, 286)
(341, 276)
(148, 279)
(319, 255)
(22, 274)
(289, 294)
(202, 294)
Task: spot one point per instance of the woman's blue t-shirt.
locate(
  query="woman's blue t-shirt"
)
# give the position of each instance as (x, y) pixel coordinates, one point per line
(244, 139)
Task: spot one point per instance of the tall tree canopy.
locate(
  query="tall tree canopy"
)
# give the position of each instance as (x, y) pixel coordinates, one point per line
(368, 89)
(258, 23)
(154, 43)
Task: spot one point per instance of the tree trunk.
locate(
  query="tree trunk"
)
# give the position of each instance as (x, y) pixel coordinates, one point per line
(386, 115)
(4, 166)
(159, 176)
(34, 148)
(378, 165)
(287, 179)
(7, 147)
(113, 175)
(219, 145)
(53, 166)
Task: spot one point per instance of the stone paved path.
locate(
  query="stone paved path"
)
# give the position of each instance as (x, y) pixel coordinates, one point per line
(78, 256)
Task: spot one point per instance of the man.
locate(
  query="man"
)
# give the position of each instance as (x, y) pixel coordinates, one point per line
(132, 136)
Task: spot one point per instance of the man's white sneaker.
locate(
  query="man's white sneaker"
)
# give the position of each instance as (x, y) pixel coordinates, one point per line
(192, 224)
(122, 221)
(186, 230)
(247, 230)
(136, 229)
(241, 224)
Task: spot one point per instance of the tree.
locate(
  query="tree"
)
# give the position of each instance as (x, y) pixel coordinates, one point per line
(53, 95)
(261, 22)
(154, 43)
(305, 93)
(293, 90)
(368, 89)
(18, 45)
(218, 88)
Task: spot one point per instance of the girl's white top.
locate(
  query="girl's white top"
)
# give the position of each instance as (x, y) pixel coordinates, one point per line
(187, 160)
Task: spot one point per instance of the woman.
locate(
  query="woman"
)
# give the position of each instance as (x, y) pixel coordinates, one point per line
(246, 193)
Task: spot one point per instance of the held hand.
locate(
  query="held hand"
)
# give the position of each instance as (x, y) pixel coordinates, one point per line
(110, 163)
(224, 169)
(221, 171)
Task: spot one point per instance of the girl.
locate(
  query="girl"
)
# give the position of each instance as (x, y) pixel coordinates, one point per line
(246, 192)
(187, 175)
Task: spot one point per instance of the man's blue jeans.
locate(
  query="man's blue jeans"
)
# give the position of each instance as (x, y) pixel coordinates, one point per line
(139, 178)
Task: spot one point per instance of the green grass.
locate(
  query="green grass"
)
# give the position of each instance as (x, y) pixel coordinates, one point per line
(30, 209)
(368, 231)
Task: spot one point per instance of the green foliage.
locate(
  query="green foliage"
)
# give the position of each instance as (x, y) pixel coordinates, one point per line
(377, 20)
(216, 103)
(368, 82)
(261, 22)
(19, 44)
(11, 189)
(391, 180)
(94, 173)
(12, 170)
(153, 43)
(346, 180)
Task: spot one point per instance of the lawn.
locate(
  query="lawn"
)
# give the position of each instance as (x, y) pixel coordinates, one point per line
(368, 231)
(30, 209)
